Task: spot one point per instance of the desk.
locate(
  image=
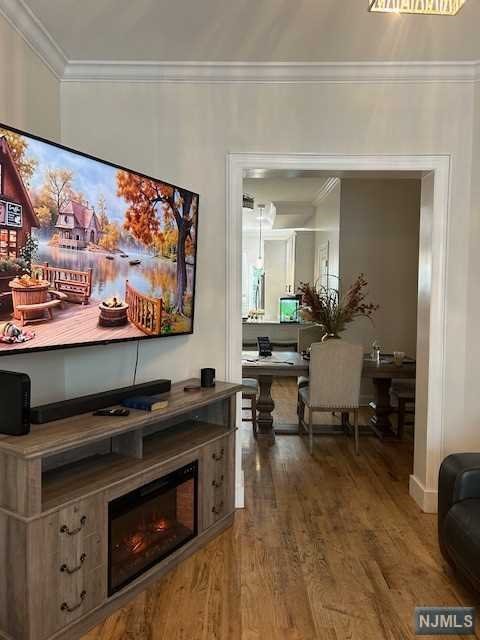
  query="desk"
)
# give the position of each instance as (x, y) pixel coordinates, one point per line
(382, 374)
(264, 369)
(292, 364)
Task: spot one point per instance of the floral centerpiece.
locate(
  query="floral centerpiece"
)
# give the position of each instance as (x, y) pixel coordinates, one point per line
(325, 306)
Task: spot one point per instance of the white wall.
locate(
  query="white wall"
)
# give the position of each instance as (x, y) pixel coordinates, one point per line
(423, 335)
(30, 100)
(468, 439)
(304, 257)
(379, 232)
(250, 247)
(29, 92)
(326, 222)
(183, 132)
(275, 276)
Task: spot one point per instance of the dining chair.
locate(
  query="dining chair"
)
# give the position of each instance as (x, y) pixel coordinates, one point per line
(402, 392)
(335, 376)
(250, 392)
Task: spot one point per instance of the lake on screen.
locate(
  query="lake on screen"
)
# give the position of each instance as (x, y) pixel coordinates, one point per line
(154, 276)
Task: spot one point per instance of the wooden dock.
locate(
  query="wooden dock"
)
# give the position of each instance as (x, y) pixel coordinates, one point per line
(71, 325)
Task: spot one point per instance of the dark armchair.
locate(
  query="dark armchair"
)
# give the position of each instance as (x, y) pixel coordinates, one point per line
(459, 514)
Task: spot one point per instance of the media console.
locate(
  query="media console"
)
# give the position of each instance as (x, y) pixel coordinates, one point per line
(93, 509)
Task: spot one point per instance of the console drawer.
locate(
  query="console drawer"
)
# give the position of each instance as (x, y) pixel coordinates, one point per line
(65, 598)
(65, 530)
(218, 480)
(67, 566)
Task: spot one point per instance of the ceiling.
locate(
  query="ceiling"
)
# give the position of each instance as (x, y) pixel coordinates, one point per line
(285, 188)
(292, 197)
(248, 31)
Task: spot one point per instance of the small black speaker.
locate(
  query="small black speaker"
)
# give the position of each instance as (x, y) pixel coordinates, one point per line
(15, 403)
(207, 377)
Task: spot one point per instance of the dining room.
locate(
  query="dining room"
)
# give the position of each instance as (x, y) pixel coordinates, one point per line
(329, 260)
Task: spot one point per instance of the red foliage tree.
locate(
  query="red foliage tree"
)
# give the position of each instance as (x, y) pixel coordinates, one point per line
(141, 219)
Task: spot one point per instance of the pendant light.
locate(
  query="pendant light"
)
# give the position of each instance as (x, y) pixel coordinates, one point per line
(260, 262)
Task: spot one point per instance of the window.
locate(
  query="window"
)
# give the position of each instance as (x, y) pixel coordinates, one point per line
(8, 244)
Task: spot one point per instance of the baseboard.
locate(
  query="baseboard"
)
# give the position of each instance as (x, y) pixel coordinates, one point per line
(427, 499)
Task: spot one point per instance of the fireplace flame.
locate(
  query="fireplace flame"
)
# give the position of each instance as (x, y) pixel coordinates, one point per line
(160, 525)
(137, 543)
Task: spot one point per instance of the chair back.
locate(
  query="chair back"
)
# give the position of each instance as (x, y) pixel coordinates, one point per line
(335, 374)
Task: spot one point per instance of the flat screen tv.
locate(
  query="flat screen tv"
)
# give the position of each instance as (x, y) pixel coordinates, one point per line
(90, 252)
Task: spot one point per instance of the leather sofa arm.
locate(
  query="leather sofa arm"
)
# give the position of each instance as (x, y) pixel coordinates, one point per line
(459, 479)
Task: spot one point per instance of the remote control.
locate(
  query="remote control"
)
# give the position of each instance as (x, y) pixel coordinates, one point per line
(117, 413)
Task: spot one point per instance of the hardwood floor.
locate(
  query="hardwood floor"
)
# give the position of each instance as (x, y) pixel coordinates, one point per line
(328, 547)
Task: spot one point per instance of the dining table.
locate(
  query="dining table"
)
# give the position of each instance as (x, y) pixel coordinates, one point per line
(292, 364)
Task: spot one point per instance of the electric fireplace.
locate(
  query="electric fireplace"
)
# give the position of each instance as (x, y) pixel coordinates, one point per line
(150, 523)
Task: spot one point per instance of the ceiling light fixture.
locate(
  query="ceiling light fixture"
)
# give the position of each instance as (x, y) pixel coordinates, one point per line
(259, 264)
(425, 7)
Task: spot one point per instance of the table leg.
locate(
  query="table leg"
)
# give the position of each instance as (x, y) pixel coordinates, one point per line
(380, 422)
(265, 406)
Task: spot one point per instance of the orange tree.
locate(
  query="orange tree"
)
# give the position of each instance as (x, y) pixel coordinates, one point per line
(143, 197)
(18, 147)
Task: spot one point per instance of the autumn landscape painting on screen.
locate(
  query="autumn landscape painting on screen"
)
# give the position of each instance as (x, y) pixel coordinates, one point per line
(89, 252)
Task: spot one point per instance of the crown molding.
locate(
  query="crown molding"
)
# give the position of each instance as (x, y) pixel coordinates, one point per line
(270, 72)
(29, 27)
(327, 187)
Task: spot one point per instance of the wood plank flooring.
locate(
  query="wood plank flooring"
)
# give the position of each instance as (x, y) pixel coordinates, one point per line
(329, 547)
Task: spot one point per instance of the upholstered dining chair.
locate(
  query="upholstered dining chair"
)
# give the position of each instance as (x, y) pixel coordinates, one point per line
(335, 375)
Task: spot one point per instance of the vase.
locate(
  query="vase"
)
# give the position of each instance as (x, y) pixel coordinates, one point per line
(330, 336)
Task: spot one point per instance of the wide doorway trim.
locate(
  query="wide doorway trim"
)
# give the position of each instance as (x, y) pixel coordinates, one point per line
(430, 452)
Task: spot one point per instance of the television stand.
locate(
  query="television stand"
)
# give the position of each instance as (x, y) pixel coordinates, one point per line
(93, 509)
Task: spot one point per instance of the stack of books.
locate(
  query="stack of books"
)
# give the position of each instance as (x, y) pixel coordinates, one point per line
(146, 403)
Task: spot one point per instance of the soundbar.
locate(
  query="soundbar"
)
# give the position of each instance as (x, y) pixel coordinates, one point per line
(85, 404)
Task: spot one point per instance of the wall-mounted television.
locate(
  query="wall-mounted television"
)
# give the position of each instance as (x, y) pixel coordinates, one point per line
(90, 252)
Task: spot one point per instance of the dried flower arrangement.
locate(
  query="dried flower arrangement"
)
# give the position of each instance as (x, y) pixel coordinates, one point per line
(325, 306)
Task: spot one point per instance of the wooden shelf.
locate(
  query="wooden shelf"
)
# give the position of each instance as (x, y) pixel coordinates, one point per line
(62, 435)
(59, 481)
(87, 476)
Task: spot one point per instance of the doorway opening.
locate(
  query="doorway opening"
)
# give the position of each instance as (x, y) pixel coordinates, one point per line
(431, 176)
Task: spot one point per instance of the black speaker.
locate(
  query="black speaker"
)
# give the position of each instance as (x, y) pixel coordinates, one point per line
(207, 377)
(14, 403)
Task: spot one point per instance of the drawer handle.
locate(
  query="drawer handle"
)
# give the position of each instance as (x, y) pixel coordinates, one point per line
(66, 607)
(217, 510)
(218, 456)
(66, 569)
(73, 532)
(218, 483)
